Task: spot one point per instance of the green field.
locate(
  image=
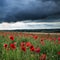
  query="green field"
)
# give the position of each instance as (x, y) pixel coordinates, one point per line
(29, 46)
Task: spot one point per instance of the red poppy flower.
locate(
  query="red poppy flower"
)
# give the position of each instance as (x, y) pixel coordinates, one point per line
(12, 37)
(32, 48)
(42, 39)
(42, 42)
(58, 53)
(23, 48)
(58, 38)
(37, 50)
(12, 46)
(22, 43)
(28, 44)
(35, 37)
(5, 45)
(43, 57)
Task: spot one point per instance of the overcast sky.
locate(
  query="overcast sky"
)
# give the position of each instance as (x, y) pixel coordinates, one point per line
(14, 11)
(30, 25)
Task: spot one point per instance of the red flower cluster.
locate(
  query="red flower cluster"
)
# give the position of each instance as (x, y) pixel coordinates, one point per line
(12, 37)
(22, 44)
(23, 48)
(28, 44)
(31, 47)
(12, 46)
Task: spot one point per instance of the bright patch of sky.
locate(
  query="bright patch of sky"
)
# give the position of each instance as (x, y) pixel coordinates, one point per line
(30, 25)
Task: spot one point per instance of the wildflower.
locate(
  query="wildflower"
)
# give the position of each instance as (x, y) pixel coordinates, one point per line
(42, 42)
(37, 50)
(12, 37)
(28, 44)
(22, 43)
(5, 45)
(58, 53)
(58, 38)
(42, 39)
(12, 46)
(32, 48)
(35, 37)
(43, 57)
(23, 48)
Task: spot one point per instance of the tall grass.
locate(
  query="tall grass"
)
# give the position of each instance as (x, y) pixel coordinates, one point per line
(48, 46)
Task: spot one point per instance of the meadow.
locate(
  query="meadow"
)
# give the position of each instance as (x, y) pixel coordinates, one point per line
(29, 46)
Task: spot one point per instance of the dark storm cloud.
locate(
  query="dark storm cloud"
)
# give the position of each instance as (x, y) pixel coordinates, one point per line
(49, 0)
(17, 10)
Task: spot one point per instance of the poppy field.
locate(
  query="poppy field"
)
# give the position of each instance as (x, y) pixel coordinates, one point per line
(29, 46)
